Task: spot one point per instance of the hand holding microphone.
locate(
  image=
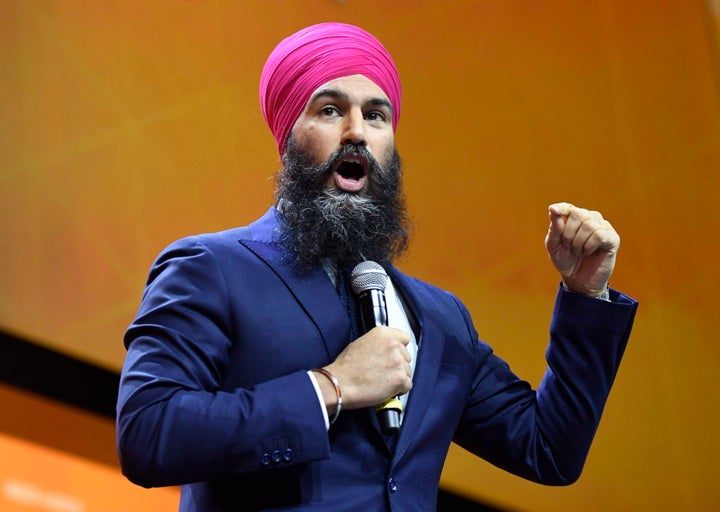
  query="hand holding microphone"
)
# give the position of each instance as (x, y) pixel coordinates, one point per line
(376, 365)
(369, 281)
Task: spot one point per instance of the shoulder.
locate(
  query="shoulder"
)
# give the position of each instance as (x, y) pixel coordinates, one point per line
(263, 229)
(422, 290)
(426, 297)
(444, 319)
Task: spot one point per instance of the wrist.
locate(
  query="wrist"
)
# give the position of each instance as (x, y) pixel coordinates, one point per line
(330, 387)
(602, 295)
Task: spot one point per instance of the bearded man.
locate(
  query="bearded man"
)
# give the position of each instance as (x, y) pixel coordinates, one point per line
(247, 381)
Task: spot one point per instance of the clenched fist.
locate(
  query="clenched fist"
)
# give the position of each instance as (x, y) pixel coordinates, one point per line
(583, 246)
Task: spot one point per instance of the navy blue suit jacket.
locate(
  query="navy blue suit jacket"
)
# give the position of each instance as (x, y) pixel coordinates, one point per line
(214, 394)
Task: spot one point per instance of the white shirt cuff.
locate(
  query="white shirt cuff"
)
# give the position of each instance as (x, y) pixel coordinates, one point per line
(320, 399)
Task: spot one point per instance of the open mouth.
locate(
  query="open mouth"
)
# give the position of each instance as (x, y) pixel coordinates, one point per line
(350, 173)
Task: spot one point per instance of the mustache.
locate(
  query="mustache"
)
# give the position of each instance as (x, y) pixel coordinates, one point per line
(316, 175)
(352, 149)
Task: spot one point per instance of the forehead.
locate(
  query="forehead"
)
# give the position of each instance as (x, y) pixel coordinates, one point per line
(355, 87)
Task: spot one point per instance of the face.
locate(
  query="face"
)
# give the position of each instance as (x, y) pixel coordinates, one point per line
(320, 221)
(348, 110)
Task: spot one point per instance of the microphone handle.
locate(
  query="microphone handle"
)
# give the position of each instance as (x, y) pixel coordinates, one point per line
(373, 314)
(388, 414)
(373, 309)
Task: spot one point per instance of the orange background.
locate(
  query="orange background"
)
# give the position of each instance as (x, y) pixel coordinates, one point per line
(128, 125)
(55, 458)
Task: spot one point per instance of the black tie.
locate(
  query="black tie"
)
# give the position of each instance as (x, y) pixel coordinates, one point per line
(348, 299)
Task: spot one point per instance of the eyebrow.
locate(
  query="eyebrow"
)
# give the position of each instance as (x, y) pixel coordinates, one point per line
(339, 95)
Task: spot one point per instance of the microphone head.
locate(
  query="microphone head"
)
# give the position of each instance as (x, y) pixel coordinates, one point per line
(368, 275)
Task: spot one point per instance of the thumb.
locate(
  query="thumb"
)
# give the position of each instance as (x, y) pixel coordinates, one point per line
(558, 213)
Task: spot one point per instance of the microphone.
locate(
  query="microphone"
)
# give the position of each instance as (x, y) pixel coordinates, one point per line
(368, 281)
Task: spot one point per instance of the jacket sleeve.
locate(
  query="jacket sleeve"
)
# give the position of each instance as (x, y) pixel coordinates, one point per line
(545, 435)
(175, 421)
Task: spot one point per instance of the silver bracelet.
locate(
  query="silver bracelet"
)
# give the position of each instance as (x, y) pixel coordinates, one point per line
(338, 393)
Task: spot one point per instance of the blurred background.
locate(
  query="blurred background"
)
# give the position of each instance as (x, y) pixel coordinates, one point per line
(126, 125)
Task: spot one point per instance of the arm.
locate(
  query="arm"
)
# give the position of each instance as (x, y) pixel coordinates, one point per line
(545, 436)
(176, 422)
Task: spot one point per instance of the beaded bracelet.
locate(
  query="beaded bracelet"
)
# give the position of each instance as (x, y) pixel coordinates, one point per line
(338, 393)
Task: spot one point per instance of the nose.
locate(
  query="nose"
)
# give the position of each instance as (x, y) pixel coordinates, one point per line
(354, 128)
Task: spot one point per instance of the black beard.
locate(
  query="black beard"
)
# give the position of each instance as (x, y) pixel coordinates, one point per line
(320, 221)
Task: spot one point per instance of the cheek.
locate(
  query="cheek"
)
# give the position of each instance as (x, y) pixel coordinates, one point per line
(315, 144)
(383, 152)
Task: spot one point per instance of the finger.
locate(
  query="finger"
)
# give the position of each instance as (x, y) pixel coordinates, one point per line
(587, 231)
(579, 226)
(557, 213)
(402, 336)
(603, 237)
(561, 209)
(406, 355)
(390, 333)
(593, 231)
(569, 236)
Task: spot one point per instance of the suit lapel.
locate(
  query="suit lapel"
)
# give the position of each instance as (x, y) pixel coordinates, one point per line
(427, 366)
(313, 289)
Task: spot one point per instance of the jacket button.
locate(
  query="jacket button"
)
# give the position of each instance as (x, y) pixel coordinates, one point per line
(276, 456)
(289, 454)
(265, 459)
(392, 486)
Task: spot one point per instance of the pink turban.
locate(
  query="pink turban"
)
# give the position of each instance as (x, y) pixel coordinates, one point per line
(314, 56)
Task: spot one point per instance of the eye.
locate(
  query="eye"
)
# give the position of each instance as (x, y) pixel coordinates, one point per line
(375, 115)
(329, 111)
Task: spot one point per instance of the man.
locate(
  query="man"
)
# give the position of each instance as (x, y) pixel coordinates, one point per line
(244, 380)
